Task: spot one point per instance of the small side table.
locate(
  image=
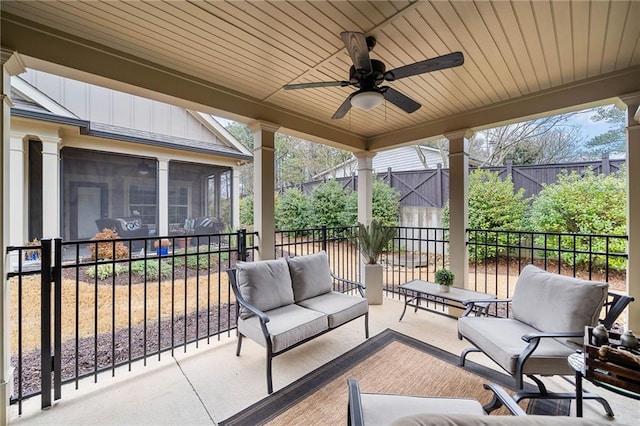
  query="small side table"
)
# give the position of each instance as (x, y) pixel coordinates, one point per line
(430, 292)
(576, 362)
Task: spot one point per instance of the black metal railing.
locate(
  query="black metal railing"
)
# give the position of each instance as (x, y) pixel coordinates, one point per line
(496, 257)
(120, 301)
(115, 304)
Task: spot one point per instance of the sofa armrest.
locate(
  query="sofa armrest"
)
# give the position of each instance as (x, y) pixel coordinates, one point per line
(358, 285)
(500, 398)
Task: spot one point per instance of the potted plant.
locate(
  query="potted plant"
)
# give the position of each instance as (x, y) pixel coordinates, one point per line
(372, 241)
(162, 246)
(445, 278)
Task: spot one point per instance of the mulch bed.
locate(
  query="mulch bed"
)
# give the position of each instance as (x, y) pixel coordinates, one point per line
(114, 349)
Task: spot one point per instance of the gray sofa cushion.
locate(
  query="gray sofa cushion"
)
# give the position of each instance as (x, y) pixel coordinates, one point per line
(500, 339)
(470, 420)
(552, 302)
(310, 275)
(265, 284)
(339, 307)
(380, 409)
(287, 326)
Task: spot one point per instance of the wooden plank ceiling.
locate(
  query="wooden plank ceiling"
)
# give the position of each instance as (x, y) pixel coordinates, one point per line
(253, 48)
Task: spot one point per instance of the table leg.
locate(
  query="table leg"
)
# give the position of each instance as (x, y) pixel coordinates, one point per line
(405, 306)
(578, 394)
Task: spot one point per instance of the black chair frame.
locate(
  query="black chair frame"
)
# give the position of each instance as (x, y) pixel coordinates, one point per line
(264, 319)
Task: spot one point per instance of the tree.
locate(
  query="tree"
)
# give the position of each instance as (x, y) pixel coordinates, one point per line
(614, 139)
(329, 205)
(544, 140)
(293, 210)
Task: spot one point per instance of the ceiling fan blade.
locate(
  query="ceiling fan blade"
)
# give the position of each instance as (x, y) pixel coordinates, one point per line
(356, 45)
(434, 64)
(315, 84)
(403, 102)
(344, 108)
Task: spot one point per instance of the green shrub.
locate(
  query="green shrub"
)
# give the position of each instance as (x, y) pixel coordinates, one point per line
(106, 270)
(246, 211)
(494, 205)
(588, 204)
(386, 203)
(292, 211)
(155, 269)
(329, 204)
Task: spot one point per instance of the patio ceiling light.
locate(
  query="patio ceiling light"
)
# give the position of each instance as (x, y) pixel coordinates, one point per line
(367, 100)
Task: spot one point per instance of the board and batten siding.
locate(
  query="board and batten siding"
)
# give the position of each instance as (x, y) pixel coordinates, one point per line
(107, 106)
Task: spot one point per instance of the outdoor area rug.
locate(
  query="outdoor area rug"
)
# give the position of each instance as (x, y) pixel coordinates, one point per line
(389, 362)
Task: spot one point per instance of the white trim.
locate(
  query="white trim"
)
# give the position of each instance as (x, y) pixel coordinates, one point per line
(218, 129)
(30, 92)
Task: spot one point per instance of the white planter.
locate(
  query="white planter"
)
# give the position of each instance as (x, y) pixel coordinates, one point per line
(372, 280)
(445, 288)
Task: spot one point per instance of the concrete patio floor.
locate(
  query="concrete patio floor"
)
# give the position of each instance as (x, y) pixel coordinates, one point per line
(208, 384)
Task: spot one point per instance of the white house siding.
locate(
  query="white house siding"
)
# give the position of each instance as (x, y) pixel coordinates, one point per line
(400, 159)
(101, 105)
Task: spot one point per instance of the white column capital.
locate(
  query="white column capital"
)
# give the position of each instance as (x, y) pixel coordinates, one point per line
(630, 99)
(260, 125)
(459, 134)
(12, 62)
(364, 154)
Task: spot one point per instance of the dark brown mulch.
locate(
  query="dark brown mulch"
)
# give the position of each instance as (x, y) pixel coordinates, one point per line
(114, 349)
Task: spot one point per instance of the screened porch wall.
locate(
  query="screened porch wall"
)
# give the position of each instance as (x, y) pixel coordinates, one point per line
(198, 191)
(98, 185)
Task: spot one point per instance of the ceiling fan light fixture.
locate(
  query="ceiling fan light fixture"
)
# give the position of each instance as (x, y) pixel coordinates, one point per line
(367, 100)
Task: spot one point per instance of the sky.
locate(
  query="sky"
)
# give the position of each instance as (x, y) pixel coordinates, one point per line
(583, 120)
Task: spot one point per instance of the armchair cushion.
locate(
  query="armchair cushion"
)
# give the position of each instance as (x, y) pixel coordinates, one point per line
(564, 303)
(381, 409)
(265, 285)
(500, 339)
(471, 420)
(310, 275)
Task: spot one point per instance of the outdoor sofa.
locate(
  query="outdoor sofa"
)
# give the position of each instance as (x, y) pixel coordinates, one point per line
(284, 303)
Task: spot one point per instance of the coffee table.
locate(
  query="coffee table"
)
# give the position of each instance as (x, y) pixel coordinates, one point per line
(417, 291)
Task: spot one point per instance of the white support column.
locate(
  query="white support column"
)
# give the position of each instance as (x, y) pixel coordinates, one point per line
(163, 196)
(633, 205)
(17, 190)
(459, 205)
(365, 186)
(11, 65)
(50, 186)
(264, 187)
(235, 198)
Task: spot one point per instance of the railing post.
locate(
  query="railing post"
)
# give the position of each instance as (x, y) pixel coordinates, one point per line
(57, 323)
(45, 323)
(324, 237)
(242, 245)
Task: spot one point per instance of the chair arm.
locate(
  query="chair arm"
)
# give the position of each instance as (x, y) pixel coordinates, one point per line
(501, 397)
(360, 286)
(264, 318)
(470, 304)
(355, 416)
(536, 336)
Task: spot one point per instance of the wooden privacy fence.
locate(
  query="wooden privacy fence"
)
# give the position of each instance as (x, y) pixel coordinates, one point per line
(430, 188)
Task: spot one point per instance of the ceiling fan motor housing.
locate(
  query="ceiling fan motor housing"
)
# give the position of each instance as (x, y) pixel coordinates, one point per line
(368, 81)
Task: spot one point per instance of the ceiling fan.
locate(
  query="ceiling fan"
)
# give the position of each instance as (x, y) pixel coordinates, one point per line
(368, 74)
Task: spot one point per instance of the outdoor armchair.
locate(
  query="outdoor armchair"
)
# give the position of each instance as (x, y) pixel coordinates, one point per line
(548, 316)
(385, 409)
